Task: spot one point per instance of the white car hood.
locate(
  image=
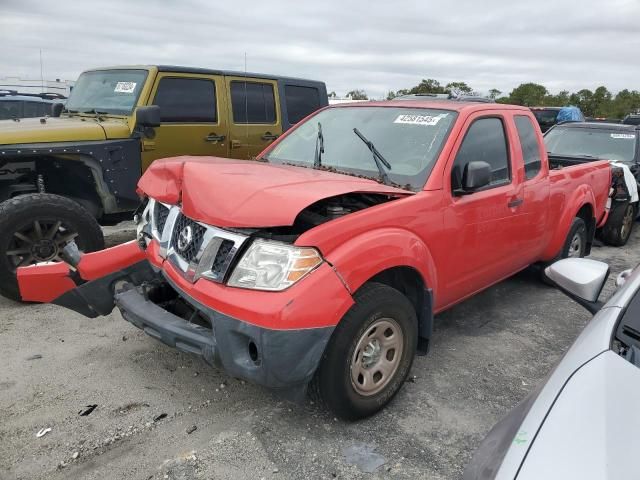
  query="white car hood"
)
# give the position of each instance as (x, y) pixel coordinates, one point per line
(592, 430)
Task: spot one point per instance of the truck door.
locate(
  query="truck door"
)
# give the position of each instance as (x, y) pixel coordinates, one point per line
(256, 119)
(536, 231)
(481, 226)
(193, 115)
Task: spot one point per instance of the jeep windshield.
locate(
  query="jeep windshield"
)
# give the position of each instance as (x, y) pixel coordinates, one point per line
(409, 139)
(107, 92)
(606, 144)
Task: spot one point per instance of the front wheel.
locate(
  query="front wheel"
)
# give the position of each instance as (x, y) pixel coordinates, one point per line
(369, 355)
(618, 228)
(35, 227)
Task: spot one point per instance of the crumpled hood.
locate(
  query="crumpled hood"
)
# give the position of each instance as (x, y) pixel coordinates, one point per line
(60, 129)
(245, 193)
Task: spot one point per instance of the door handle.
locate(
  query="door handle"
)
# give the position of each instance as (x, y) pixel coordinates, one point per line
(516, 202)
(212, 137)
(269, 136)
(238, 144)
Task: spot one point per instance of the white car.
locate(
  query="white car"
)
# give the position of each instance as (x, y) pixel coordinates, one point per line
(584, 421)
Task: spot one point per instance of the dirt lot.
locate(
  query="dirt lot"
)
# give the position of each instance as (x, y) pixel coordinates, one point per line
(487, 354)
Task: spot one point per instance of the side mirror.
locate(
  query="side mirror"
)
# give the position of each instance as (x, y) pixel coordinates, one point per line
(148, 116)
(476, 175)
(581, 279)
(56, 109)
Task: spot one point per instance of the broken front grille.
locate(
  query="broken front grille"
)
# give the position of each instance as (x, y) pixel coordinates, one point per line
(161, 213)
(220, 264)
(187, 237)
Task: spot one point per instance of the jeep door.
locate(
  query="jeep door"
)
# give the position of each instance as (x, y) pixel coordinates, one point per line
(256, 118)
(482, 227)
(193, 115)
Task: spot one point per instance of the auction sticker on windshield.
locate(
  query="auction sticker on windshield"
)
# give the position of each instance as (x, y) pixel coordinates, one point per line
(125, 87)
(427, 120)
(623, 135)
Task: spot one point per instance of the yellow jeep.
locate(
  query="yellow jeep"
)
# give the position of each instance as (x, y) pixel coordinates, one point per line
(62, 175)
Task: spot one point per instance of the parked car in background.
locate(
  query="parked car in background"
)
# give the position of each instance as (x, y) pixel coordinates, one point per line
(16, 105)
(572, 143)
(547, 117)
(322, 264)
(581, 422)
(60, 176)
(632, 119)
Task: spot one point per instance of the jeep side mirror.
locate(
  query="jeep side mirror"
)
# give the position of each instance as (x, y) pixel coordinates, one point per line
(56, 109)
(148, 116)
(581, 279)
(476, 175)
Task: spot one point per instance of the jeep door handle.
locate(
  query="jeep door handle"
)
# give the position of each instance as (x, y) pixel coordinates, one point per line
(212, 137)
(269, 136)
(516, 202)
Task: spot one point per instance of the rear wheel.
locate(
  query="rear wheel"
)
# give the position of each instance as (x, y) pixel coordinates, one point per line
(618, 228)
(34, 228)
(369, 355)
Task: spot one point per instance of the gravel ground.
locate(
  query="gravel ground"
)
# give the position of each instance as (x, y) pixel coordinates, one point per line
(487, 354)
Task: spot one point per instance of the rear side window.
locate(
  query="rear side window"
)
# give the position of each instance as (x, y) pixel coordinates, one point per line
(253, 102)
(301, 101)
(186, 100)
(485, 141)
(10, 109)
(530, 146)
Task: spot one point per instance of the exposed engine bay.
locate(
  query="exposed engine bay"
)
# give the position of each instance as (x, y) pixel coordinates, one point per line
(321, 212)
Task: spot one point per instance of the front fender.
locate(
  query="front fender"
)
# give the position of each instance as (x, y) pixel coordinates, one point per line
(580, 197)
(370, 253)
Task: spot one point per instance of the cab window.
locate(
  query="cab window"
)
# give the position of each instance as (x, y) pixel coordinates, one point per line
(186, 100)
(253, 102)
(530, 146)
(301, 101)
(485, 141)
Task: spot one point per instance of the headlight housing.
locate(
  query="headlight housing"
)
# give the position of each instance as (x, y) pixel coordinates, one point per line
(269, 265)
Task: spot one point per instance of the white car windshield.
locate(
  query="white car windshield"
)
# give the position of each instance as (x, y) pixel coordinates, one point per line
(606, 144)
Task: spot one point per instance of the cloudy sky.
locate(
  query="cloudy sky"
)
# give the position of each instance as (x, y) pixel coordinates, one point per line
(373, 45)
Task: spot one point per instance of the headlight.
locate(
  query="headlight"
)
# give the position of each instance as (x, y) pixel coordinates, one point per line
(268, 265)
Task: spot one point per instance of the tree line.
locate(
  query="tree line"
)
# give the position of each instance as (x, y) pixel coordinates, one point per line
(597, 103)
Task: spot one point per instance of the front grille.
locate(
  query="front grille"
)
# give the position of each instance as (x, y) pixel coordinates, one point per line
(219, 262)
(160, 216)
(187, 237)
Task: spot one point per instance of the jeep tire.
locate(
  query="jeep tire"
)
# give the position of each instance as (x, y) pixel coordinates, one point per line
(34, 227)
(370, 353)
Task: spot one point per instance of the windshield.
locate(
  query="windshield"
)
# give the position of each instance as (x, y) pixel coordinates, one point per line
(592, 142)
(407, 139)
(107, 91)
(546, 117)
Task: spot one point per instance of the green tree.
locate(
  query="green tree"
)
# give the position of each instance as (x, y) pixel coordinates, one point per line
(428, 85)
(391, 95)
(601, 102)
(458, 88)
(358, 95)
(583, 99)
(494, 93)
(332, 95)
(528, 94)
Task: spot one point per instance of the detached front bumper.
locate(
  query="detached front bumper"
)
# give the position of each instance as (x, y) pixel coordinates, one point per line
(279, 359)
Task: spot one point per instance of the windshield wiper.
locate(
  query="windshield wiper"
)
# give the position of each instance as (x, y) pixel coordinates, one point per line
(317, 157)
(377, 157)
(93, 111)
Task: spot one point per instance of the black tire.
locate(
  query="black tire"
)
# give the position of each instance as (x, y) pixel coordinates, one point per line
(332, 384)
(578, 228)
(617, 230)
(16, 214)
(577, 233)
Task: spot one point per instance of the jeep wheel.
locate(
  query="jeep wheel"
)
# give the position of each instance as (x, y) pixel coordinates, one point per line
(35, 227)
(369, 355)
(618, 228)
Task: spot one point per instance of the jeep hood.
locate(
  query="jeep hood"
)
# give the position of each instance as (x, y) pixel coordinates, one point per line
(61, 129)
(245, 193)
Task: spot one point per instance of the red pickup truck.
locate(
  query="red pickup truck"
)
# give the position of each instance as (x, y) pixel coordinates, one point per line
(319, 267)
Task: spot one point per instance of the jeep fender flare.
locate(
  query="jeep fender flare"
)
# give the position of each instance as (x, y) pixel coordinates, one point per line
(581, 197)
